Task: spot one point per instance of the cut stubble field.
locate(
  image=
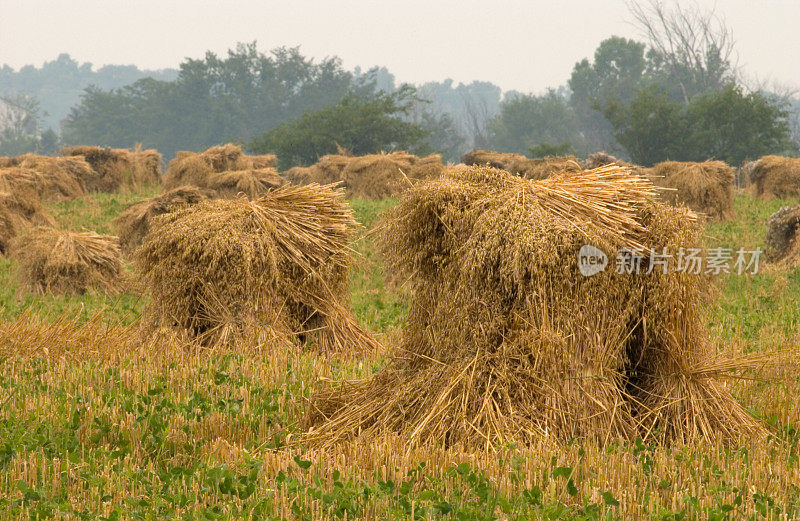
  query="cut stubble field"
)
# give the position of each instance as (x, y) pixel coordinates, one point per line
(95, 424)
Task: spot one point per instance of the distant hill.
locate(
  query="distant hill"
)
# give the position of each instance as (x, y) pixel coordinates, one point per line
(57, 85)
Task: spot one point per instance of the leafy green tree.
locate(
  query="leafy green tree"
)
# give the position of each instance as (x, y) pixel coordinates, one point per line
(215, 99)
(546, 149)
(728, 125)
(456, 115)
(526, 121)
(794, 122)
(616, 73)
(48, 142)
(651, 127)
(364, 124)
(733, 126)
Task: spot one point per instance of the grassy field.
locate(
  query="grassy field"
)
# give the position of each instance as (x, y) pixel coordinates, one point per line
(92, 428)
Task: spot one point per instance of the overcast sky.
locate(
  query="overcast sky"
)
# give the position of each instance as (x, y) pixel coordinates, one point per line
(525, 45)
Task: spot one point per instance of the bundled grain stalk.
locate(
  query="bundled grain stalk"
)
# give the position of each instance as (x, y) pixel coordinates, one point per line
(372, 176)
(197, 169)
(507, 342)
(377, 176)
(113, 168)
(258, 162)
(58, 261)
(599, 159)
(251, 183)
(20, 205)
(55, 179)
(146, 168)
(329, 168)
(226, 269)
(300, 175)
(542, 168)
(706, 188)
(8, 227)
(775, 176)
(520, 165)
(501, 160)
(134, 223)
(783, 239)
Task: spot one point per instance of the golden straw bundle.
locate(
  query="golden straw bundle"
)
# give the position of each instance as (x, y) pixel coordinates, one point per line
(507, 342)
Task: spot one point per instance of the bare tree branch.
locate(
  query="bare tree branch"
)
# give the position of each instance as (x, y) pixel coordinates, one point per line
(477, 116)
(695, 47)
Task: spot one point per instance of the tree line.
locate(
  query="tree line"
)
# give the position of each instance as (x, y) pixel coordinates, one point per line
(57, 85)
(678, 95)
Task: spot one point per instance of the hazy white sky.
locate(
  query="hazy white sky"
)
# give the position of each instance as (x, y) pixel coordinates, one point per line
(518, 44)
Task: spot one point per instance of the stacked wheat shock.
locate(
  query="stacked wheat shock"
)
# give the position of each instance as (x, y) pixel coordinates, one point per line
(783, 236)
(50, 260)
(774, 176)
(86, 169)
(522, 166)
(275, 267)
(114, 168)
(54, 179)
(507, 342)
(64, 262)
(225, 170)
(20, 205)
(230, 253)
(372, 176)
(56, 261)
(706, 188)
